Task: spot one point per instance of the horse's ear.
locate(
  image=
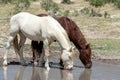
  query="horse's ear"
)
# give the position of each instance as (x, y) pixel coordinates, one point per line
(72, 52)
(72, 49)
(87, 46)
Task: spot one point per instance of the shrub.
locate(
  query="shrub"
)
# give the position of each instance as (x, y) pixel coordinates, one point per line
(5, 1)
(66, 12)
(96, 3)
(75, 13)
(50, 6)
(66, 1)
(106, 14)
(84, 11)
(109, 1)
(117, 3)
(45, 4)
(21, 5)
(95, 13)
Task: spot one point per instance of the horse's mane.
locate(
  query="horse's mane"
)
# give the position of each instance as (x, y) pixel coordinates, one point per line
(42, 15)
(74, 31)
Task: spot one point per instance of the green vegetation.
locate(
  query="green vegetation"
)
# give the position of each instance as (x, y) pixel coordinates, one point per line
(96, 3)
(78, 12)
(50, 6)
(117, 3)
(19, 4)
(105, 47)
(66, 1)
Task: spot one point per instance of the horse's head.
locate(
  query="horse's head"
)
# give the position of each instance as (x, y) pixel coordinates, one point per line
(85, 56)
(67, 58)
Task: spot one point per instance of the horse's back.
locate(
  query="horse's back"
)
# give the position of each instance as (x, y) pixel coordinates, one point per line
(32, 25)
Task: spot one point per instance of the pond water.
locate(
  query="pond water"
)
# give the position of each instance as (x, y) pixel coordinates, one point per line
(99, 71)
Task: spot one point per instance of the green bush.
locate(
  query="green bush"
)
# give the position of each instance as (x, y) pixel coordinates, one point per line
(66, 12)
(117, 3)
(45, 4)
(49, 5)
(95, 13)
(84, 11)
(21, 5)
(96, 3)
(109, 1)
(66, 1)
(6, 1)
(75, 13)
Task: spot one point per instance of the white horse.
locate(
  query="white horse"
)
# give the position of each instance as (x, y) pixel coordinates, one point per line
(45, 29)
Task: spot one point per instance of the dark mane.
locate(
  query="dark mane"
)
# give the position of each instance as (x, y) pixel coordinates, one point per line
(73, 31)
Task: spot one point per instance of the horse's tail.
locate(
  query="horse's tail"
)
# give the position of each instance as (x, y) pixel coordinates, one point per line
(15, 45)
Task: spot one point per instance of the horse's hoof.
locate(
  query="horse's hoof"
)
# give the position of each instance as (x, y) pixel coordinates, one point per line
(88, 65)
(35, 63)
(68, 68)
(47, 68)
(5, 63)
(41, 64)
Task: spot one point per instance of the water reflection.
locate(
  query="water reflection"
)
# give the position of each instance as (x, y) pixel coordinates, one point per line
(19, 74)
(5, 73)
(39, 73)
(85, 75)
(66, 75)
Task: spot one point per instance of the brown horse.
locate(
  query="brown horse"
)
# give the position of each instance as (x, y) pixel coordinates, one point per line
(75, 35)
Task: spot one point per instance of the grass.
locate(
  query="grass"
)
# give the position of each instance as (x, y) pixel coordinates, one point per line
(105, 47)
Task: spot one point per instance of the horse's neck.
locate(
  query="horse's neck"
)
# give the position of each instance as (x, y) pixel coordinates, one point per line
(61, 36)
(82, 43)
(64, 42)
(79, 39)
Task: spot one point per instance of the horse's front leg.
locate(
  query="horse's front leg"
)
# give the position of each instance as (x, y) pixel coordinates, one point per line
(38, 54)
(21, 45)
(46, 53)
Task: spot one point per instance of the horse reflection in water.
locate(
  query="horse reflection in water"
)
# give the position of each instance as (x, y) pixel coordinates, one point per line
(20, 73)
(86, 74)
(5, 73)
(66, 75)
(39, 73)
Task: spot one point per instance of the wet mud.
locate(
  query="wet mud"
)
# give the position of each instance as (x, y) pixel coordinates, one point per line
(99, 71)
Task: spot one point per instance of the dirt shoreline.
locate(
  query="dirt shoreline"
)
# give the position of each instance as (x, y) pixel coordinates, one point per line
(28, 57)
(29, 61)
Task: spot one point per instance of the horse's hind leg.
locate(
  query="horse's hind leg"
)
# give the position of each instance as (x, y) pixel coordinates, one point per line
(41, 60)
(21, 45)
(10, 39)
